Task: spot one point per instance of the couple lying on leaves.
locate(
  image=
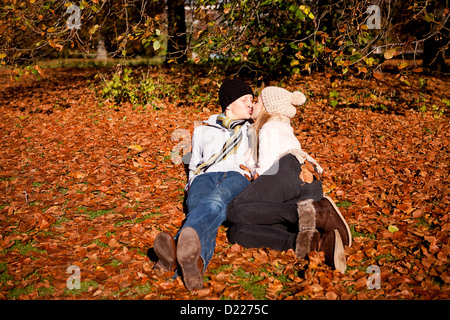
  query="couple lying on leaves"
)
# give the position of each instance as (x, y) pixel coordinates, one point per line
(258, 178)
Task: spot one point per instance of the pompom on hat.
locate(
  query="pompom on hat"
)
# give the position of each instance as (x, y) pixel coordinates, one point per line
(277, 100)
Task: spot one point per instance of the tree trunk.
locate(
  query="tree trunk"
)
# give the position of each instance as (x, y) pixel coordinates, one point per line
(102, 54)
(177, 42)
(434, 47)
(434, 55)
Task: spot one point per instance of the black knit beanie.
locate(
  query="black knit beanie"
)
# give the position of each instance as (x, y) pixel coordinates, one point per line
(232, 89)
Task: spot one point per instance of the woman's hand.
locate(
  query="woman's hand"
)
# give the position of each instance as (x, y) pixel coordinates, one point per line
(249, 176)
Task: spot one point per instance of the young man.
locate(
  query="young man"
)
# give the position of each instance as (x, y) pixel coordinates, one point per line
(215, 178)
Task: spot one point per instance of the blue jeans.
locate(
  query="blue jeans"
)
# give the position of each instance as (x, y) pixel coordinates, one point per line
(207, 201)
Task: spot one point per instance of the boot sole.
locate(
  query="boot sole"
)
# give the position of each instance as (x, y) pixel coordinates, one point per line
(339, 260)
(343, 220)
(164, 247)
(188, 254)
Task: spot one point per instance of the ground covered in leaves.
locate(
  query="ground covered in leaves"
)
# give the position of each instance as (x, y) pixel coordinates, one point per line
(90, 183)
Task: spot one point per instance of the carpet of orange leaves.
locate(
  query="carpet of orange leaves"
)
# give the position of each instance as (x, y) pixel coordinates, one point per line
(87, 184)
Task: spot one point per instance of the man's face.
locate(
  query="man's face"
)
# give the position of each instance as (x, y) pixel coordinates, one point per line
(240, 108)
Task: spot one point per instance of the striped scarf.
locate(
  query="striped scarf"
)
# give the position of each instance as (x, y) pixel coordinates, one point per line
(230, 146)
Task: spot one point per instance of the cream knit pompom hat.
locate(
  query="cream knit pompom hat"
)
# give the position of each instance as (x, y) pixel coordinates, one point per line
(281, 101)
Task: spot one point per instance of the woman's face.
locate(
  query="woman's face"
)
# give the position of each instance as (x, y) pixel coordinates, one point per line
(257, 106)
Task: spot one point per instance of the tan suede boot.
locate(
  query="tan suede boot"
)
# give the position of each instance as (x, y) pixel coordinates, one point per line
(165, 249)
(188, 256)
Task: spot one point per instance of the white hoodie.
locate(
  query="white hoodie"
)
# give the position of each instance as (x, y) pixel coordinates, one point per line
(208, 140)
(277, 139)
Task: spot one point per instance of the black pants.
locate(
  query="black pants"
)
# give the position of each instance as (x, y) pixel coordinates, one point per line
(265, 213)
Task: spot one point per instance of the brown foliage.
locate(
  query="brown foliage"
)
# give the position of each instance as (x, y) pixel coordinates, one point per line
(88, 185)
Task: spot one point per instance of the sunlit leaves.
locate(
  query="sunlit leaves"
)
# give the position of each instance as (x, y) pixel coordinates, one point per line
(30, 29)
(88, 183)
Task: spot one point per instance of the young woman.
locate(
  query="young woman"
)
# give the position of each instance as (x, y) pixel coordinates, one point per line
(284, 207)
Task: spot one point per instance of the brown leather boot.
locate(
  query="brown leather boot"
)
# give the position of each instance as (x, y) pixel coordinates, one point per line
(330, 243)
(165, 249)
(188, 256)
(327, 217)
